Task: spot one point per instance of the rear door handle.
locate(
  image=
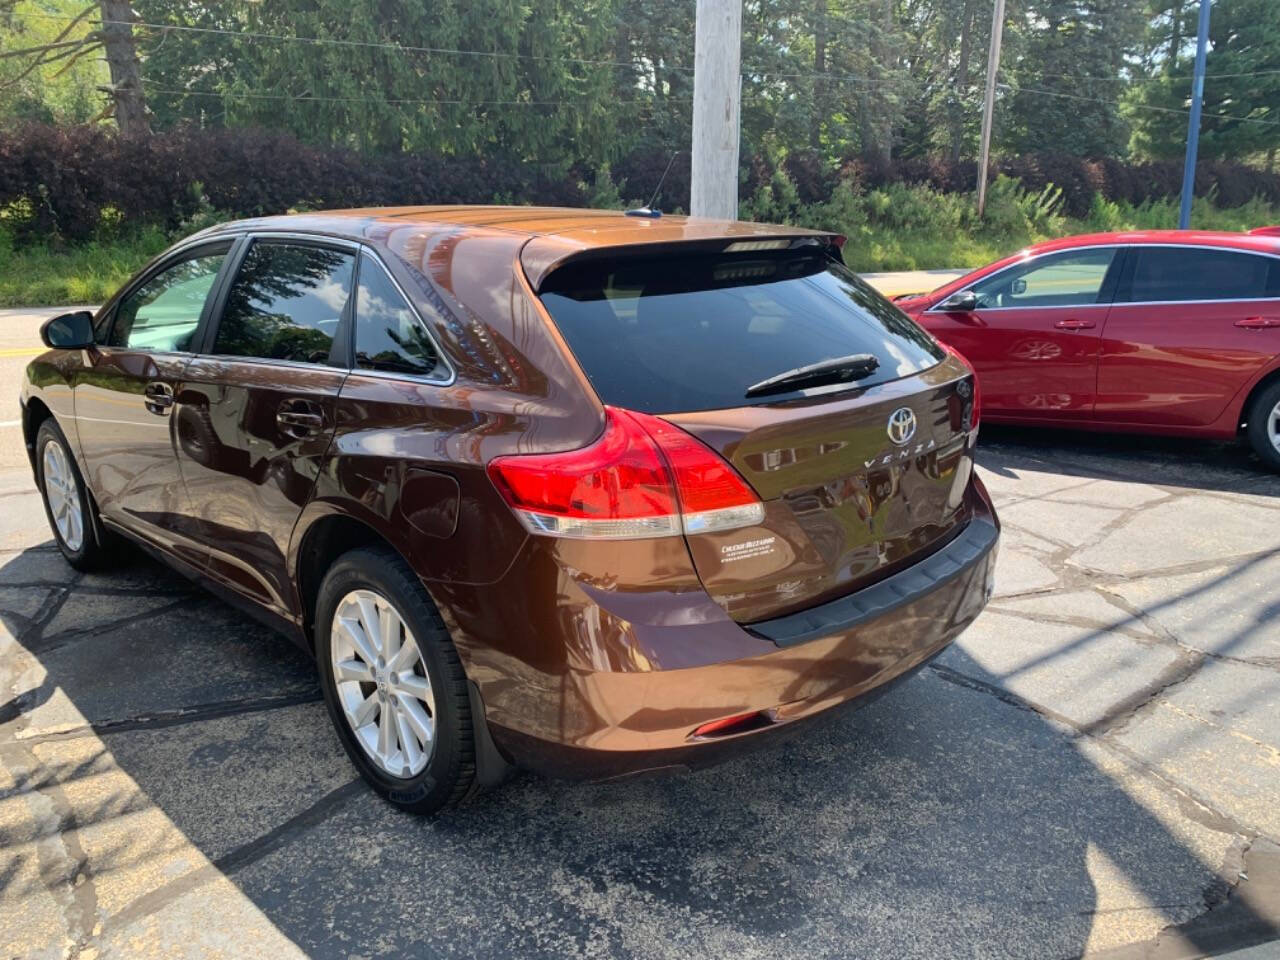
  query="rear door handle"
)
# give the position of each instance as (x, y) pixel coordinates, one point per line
(297, 420)
(157, 397)
(1258, 323)
(1075, 324)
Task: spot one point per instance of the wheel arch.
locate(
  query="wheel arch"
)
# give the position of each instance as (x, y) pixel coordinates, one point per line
(1264, 382)
(320, 539)
(34, 413)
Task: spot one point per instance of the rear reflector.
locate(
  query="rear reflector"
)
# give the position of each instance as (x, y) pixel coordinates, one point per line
(642, 478)
(729, 725)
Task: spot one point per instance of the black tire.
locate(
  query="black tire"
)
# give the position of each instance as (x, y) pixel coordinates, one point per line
(93, 549)
(1259, 414)
(450, 772)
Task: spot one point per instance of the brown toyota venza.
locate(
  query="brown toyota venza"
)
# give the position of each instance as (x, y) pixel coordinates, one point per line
(583, 492)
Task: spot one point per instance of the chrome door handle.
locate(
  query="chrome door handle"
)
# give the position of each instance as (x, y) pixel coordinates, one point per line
(157, 397)
(1258, 323)
(298, 423)
(1075, 324)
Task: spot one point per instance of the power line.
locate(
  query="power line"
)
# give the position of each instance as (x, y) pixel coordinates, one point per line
(585, 61)
(1137, 106)
(308, 98)
(363, 44)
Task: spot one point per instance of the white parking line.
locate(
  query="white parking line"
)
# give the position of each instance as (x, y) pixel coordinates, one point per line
(10, 423)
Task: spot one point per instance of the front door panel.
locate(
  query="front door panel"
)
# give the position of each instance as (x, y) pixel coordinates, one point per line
(1033, 334)
(1032, 362)
(126, 443)
(124, 398)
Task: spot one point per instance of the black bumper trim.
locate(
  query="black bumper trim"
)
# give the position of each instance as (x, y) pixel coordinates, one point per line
(906, 586)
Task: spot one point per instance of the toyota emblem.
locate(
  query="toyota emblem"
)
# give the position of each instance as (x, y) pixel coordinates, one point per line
(902, 425)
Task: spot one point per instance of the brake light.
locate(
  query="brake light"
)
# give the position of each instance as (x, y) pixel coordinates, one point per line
(643, 477)
(977, 385)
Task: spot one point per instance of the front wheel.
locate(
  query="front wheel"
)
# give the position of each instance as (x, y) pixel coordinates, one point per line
(1264, 426)
(67, 504)
(393, 683)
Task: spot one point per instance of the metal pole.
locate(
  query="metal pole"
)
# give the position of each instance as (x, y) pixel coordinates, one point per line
(989, 102)
(1193, 123)
(717, 100)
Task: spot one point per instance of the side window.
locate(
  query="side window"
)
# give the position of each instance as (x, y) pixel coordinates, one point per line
(389, 335)
(1194, 273)
(163, 313)
(285, 303)
(1070, 279)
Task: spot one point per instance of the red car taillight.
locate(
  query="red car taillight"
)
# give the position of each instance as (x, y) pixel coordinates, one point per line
(643, 477)
(977, 385)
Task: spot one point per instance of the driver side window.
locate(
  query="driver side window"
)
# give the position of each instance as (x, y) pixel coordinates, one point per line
(163, 313)
(1069, 279)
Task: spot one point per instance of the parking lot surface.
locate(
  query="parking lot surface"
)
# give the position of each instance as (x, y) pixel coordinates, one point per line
(1095, 764)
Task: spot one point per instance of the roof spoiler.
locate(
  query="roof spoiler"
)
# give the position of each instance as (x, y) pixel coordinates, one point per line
(1265, 231)
(545, 254)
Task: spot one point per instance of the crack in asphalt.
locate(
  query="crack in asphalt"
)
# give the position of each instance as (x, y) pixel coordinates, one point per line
(173, 718)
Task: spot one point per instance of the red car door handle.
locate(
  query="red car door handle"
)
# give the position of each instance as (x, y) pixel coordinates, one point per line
(1075, 324)
(1258, 323)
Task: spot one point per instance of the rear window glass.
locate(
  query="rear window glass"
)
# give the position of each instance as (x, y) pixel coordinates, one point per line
(1193, 273)
(693, 333)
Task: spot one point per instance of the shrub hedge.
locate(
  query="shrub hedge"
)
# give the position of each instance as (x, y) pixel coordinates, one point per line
(63, 184)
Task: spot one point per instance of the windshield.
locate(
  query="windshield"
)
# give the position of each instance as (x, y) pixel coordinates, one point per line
(681, 334)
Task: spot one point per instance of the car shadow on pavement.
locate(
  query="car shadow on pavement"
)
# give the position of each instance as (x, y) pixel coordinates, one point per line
(1165, 461)
(173, 761)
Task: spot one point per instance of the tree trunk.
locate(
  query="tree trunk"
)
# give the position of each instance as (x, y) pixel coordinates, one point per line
(1175, 38)
(962, 82)
(126, 70)
(883, 147)
(819, 68)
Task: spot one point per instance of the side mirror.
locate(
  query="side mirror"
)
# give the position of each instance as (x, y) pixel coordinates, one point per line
(70, 331)
(966, 301)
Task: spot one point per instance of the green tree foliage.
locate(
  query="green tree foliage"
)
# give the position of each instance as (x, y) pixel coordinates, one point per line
(573, 86)
(1242, 89)
(1068, 77)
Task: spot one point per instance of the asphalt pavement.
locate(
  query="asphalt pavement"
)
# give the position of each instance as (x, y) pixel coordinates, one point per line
(1094, 767)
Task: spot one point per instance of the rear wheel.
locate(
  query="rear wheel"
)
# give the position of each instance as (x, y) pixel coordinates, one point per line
(393, 683)
(71, 511)
(1264, 425)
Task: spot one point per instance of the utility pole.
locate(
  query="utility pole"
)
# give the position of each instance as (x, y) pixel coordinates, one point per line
(717, 102)
(989, 103)
(1193, 123)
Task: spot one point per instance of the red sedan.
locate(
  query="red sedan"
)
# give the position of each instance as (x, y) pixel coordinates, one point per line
(1171, 332)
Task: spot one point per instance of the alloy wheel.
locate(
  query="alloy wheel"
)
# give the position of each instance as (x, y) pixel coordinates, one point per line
(1273, 427)
(63, 495)
(382, 683)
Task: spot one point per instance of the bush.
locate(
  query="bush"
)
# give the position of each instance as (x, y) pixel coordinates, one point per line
(72, 185)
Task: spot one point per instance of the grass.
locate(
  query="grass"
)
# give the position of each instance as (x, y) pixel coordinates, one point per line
(895, 228)
(41, 276)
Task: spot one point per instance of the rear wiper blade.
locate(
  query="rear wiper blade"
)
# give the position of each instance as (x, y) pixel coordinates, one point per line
(836, 370)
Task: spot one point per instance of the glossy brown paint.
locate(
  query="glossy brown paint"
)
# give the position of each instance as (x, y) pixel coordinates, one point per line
(591, 658)
(844, 505)
(247, 472)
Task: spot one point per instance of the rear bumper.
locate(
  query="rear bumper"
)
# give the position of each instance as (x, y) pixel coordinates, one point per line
(841, 653)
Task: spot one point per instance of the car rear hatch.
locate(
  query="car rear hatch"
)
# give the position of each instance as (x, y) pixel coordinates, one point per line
(861, 463)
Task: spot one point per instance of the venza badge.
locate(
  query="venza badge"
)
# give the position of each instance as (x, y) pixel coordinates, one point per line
(902, 425)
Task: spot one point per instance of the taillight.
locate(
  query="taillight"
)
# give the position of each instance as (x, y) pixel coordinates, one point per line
(977, 385)
(643, 477)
